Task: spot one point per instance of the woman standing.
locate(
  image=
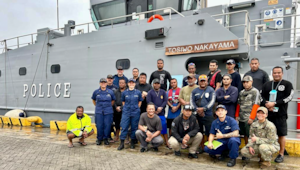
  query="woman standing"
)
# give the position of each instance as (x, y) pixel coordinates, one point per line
(103, 99)
(132, 100)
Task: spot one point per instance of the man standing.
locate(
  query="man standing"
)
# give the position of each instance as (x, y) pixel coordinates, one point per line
(185, 92)
(185, 133)
(131, 100)
(135, 74)
(263, 139)
(227, 95)
(144, 88)
(118, 107)
(214, 76)
(226, 130)
(248, 103)
(110, 85)
(118, 76)
(149, 129)
(276, 94)
(203, 100)
(236, 78)
(79, 125)
(159, 98)
(162, 75)
(260, 77)
(173, 103)
(191, 70)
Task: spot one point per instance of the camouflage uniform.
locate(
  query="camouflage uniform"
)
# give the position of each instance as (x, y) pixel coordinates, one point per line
(266, 142)
(246, 100)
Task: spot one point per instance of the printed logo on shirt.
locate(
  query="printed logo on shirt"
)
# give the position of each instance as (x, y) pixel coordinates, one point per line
(162, 78)
(126, 96)
(227, 128)
(281, 88)
(135, 96)
(173, 124)
(161, 96)
(206, 95)
(197, 94)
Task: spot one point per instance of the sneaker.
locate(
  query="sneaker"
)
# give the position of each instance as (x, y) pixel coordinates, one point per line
(245, 159)
(279, 158)
(195, 156)
(98, 142)
(231, 163)
(177, 153)
(143, 150)
(155, 149)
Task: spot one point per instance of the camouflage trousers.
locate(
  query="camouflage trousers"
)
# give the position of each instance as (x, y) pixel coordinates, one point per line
(265, 150)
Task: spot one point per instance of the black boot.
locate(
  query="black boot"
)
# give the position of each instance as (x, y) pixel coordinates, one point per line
(106, 142)
(132, 145)
(193, 155)
(98, 142)
(121, 145)
(231, 163)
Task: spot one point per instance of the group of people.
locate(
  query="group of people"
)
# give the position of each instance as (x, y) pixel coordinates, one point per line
(224, 108)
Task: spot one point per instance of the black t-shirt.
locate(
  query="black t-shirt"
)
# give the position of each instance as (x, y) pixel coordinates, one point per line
(217, 80)
(285, 93)
(143, 87)
(260, 77)
(163, 76)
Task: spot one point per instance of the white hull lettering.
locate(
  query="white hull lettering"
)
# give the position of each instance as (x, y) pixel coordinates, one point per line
(57, 90)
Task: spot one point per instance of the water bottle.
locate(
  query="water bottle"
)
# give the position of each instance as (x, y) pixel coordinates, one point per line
(272, 98)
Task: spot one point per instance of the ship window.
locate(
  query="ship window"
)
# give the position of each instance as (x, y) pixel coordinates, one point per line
(138, 9)
(125, 63)
(110, 10)
(94, 19)
(189, 5)
(22, 71)
(55, 68)
(158, 4)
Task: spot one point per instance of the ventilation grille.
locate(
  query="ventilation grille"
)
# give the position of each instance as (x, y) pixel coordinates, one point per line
(159, 44)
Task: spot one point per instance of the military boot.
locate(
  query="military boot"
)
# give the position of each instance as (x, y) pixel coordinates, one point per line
(121, 145)
(132, 145)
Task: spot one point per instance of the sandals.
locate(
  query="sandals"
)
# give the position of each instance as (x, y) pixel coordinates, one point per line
(82, 143)
(71, 146)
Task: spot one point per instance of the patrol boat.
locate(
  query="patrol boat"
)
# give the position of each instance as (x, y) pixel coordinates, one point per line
(56, 70)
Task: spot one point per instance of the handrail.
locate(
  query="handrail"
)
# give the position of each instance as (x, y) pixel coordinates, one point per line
(109, 19)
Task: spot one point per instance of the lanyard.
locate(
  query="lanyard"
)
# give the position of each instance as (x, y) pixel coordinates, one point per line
(276, 86)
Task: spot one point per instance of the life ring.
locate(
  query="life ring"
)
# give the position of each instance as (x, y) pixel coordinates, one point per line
(155, 16)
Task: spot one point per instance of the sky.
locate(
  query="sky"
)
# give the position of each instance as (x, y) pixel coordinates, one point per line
(20, 17)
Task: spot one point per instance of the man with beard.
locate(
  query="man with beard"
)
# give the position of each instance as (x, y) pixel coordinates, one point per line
(191, 70)
(144, 87)
(173, 103)
(118, 76)
(162, 75)
(236, 78)
(185, 92)
(214, 76)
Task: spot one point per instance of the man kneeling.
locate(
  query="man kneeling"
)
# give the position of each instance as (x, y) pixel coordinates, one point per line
(185, 133)
(79, 125)
(226, 130)
(262, 139)
(149, 129)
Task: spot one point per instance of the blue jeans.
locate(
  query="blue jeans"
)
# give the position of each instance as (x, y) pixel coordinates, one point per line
(103, 124)
(231, 144)
(127, 120)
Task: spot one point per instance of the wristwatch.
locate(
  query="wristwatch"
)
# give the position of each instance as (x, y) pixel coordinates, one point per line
(204, 109)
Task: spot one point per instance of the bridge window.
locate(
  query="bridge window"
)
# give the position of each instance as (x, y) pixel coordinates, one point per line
(55, 68)
(22, 71)
(188, 5)
(158, 4)
(110, 10)
(125, 63)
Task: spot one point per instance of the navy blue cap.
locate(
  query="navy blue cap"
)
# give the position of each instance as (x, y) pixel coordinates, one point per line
(221, 106)
(230, 61)
(131, 79)
(103, 80)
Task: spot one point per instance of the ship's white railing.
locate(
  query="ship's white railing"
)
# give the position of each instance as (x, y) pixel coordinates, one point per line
(169, 10)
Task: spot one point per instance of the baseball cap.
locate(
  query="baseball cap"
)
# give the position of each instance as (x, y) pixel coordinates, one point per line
(103, 80)
(221, 106)
(155, 81)
(110, 76)
(191, 76)
(188, 107)
(247, 78)
(202, 77)
(263, 109)
(131, 80)
(230, 61)
(120, 68)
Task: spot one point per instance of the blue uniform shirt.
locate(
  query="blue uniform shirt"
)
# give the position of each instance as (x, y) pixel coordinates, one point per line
(117, 78)
(131, 99)
(103, 100)
(112, 87)
(229, 125)
(208, 99)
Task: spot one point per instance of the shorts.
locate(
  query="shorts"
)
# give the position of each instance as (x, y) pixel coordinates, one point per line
(117, 120)
(244, 128)
(205, 121)
(163, 124)
(70, 132)
(169, 123)
(281, 125)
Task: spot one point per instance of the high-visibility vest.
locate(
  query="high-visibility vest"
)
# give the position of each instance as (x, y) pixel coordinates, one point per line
(79, 125)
